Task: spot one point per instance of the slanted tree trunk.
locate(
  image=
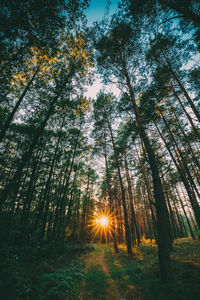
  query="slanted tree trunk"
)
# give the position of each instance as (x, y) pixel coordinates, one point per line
(30, 191)
(134, 225)
(186, 140)
(149, 192)
(46, 197)
(10, 117)
(163, 229)
(60, 198)
(13, 185)
(84, 212)
(191, 195)
(70, 204)
(182, 87)
(111, 202)
(127, 229)
(182, 158)
(186, 113)
(185, 214)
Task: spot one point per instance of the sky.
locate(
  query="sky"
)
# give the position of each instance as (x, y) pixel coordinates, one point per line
(95, 12)
(97, 9)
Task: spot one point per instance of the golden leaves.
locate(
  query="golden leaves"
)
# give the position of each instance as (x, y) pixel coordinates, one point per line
(85, 104)
(72, 49)
(82, 106)
(45, 63)
(38, 62)
(77, 51)
(159, 109)
(19, 80)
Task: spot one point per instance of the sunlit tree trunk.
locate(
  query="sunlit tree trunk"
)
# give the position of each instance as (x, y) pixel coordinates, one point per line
(191, 195)
(134, 225)
(127, 229)
(111, 202)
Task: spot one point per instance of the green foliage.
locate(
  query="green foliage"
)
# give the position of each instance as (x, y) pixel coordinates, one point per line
(60, 284)
(44, 272)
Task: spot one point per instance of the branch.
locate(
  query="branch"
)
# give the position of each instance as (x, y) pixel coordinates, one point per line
(165, 21)
(168, 169)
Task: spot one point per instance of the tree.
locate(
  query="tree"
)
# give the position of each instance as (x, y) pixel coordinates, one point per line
(115, 56)
(103, 111)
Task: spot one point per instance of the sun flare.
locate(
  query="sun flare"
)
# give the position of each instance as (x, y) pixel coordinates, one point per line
(103, 223)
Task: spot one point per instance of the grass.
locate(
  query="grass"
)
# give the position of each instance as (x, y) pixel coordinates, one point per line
(139, 278)
(95, 283)
(61, 275)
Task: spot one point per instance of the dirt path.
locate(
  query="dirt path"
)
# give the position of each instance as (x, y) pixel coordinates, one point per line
(96, 261)
(113, 291)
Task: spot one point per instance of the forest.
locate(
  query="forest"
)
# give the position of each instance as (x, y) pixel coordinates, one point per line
(99, 193)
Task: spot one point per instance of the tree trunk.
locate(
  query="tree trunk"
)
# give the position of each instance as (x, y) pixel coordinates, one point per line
(182, 160)
(10, 117)
(13, 185)
(182, 88)
(134, 225)
(127, 229)
(111, 204)
(149, 192)
(191, 195)
(163, 230)
(185, 214)
(186, 113)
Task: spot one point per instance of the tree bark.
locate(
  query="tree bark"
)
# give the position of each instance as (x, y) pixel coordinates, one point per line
(10, 117)
(191, 195)
(13, 185)
(134, 225)
(182, 87)
(163, 230)
(127, 229)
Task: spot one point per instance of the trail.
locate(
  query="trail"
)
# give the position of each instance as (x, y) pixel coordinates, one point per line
(95, 261)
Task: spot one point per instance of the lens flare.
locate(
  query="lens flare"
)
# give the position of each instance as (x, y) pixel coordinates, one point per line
(103, 221)
(103, 224)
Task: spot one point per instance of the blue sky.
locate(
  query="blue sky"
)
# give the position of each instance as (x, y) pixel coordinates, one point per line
(97, 9)
(95, 12)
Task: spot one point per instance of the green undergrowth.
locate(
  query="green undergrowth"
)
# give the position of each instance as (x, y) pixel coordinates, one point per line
(138, 278)
(95, 283)
(48, 272)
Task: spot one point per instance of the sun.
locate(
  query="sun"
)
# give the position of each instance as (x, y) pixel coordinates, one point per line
(103, 223)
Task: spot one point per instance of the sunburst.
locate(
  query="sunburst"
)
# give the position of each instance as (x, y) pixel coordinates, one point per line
(104, 223)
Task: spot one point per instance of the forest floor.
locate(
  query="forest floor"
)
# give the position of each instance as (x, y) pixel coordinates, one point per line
(111, 276)
(95, 271)
(97, 283)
